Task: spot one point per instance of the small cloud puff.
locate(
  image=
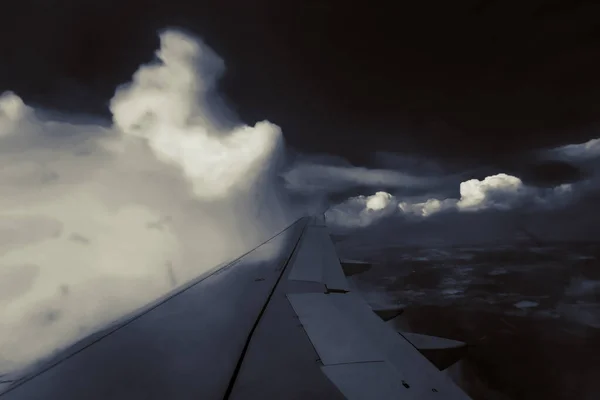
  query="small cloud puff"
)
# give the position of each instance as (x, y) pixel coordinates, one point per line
(12, 107)
(362, 211)
(426, 208)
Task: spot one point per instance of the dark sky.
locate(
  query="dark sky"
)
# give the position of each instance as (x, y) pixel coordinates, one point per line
(468, 80)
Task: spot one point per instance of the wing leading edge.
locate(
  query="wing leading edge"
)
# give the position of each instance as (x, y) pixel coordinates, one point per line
(186, 345)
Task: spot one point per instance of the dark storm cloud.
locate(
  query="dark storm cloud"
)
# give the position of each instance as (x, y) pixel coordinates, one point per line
(551, 173)
(333, 179)
(417, 165)
(467, 81)
(319, 178)
(579, 153)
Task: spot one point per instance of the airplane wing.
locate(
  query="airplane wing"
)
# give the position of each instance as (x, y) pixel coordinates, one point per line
(280, 322)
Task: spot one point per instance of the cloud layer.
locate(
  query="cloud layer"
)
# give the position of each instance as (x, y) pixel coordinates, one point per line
(420, 190)
(98, 219)
(318, 178)
(499, 192)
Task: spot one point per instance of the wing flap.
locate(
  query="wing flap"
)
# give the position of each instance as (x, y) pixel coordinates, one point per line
(354, 267)
(335, 337)
(368, 380)
(361, 354)
(427, 342)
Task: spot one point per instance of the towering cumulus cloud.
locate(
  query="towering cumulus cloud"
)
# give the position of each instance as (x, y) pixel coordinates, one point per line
(169, 104)
(98, 219)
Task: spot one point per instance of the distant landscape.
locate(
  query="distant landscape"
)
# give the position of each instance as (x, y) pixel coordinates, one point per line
(530, 314)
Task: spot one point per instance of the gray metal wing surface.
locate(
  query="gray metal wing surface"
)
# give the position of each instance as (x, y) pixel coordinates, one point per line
(280, 322)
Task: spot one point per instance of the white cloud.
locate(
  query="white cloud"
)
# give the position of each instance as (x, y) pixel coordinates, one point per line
(496, 192)
(168, 105)
(378, 202)
(500, 192)
(12, 110)
(427, 208)
(95, 219)
(362, 211)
